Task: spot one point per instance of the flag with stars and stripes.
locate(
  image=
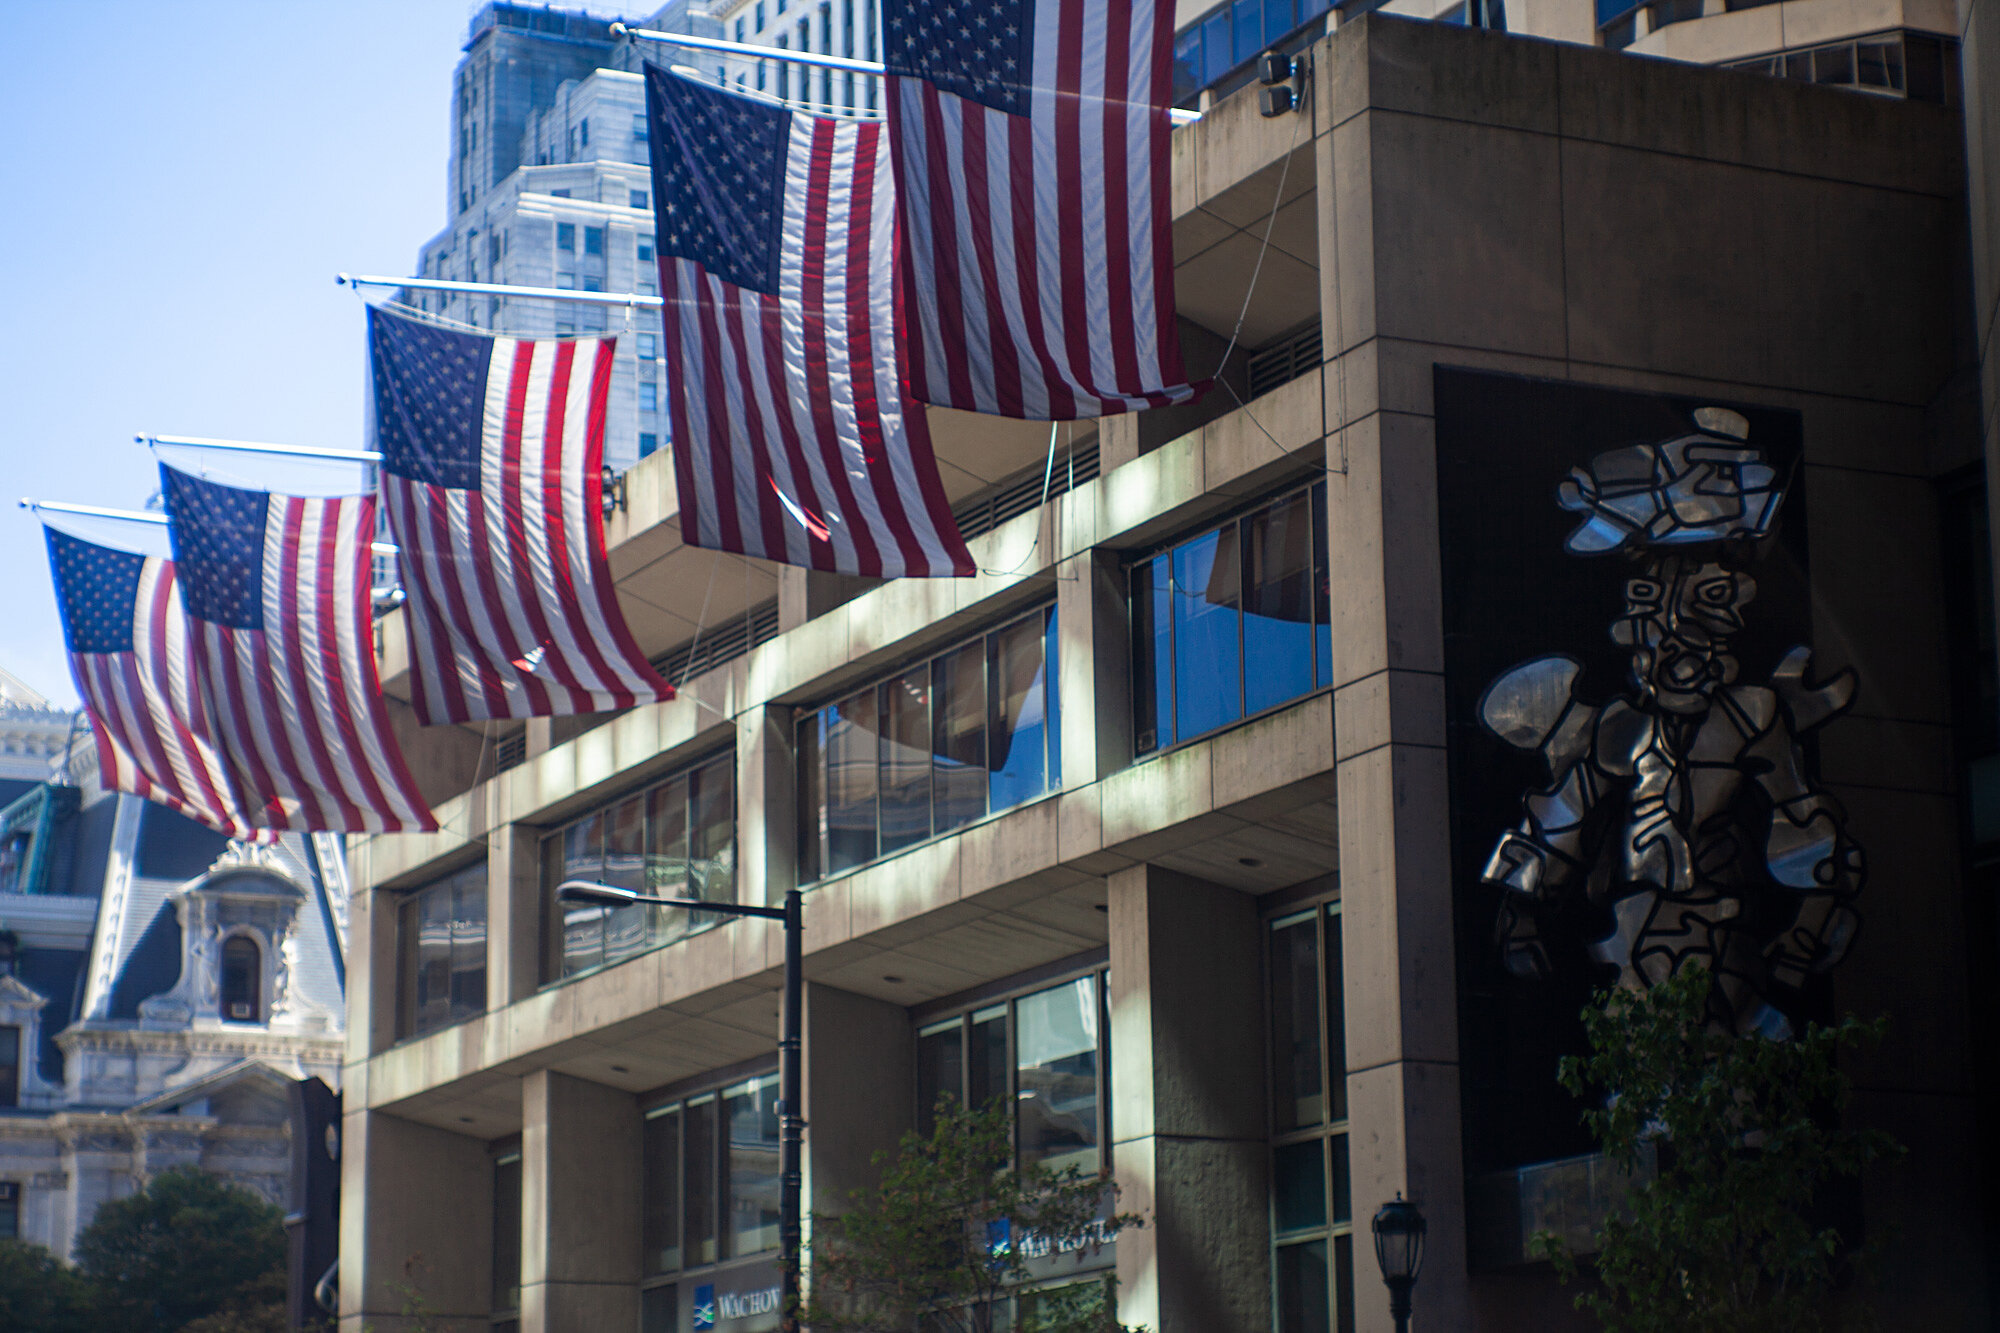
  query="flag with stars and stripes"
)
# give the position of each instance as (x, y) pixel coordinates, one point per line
(491, 450)
(283, 651)
(128, 649)
(793, 438)
(1033, 184)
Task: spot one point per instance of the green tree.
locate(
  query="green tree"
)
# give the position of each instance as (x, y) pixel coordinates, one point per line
(186, 1246)
(1720, 1240)
(39, 1291)
(945, 1238)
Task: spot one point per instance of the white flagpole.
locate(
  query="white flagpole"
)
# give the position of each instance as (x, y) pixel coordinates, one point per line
(496, 289)
(138, 516)
(250, 447)
(848, 63)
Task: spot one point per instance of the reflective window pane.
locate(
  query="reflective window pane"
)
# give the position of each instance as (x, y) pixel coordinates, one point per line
(659, 1309)
(667, 873)
(958, 740)
(712, 833)
(1248, 18)
(940, 1069)
(1343, 1282)
(1278, 20)
(1302, 1293)
(1322, 601)
(1217, 59)
(1208, 670)
(987, 1063)
(1055, 1033)
(582, 926)
(507, 1233)
(1153, 655)
(698, 1181)
(852, 762)
(750, 1167)
(1278, 601)
(1298, 1186)
(660, 1151)
(812, 796)
(1297, 1087)
(1052, 694)
(1336, 1020)
(1342, 1186)
(1020, 719)
(905, 707)
(434, 958)
(625, 866)
(468, 943)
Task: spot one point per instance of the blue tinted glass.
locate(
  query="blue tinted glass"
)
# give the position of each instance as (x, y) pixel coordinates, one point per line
(1278, 20)
(1322, 607)
(906, 760)
(958, 743)
(1312, 8)
(1052, 697)
(1215, 57)
(1609, 10)
(1020, 723)
(1247, 18)
(1208, 663)
(1153, 654)
(851, 766)
(1187, 64)
(1298, 1186)
(1278, 603)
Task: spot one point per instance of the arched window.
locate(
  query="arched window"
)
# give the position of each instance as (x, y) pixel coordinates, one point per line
(242, 979)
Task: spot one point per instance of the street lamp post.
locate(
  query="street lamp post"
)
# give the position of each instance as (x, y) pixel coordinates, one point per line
(1399, 1250)
(791, 1076)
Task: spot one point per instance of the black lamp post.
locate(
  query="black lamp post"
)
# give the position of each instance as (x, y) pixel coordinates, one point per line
(791, 1092)
(1399, 1249)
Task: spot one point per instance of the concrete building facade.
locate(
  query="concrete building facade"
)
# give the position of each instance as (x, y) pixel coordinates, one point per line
(1172, 826)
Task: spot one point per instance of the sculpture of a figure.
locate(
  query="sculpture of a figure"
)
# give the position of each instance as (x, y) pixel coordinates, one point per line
(1653, 809)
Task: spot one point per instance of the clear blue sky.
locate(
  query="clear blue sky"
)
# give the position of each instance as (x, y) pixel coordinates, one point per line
(184, 181)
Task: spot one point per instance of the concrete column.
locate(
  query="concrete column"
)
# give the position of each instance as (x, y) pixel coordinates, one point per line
(371, 972)
(1395, 856)
(1094, 675)
(540, 736)
(417, 1225)
(1117, 440)
(767, 826)
(1187, 1114)
(858, 1079)
(580, 1205)
(515, 913)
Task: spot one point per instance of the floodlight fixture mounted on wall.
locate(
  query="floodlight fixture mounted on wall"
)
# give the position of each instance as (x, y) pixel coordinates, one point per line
(1284, 80)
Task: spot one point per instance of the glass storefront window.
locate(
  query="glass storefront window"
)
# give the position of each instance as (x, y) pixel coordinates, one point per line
(963, 735)
(660, 1150)
(441, 946)
(699, 1172)
(676, 838)
(1232, 622)
(710, 1221)
(1312, 1213)
(750, 1166)
(1043, 1053)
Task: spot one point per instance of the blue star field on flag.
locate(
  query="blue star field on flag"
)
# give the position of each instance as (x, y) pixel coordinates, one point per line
(430, 398)
(96, 588)
(219, 531)
(717, 194)
(978, 49)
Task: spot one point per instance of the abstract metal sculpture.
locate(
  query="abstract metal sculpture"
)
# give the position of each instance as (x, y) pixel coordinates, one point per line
(1683, 808)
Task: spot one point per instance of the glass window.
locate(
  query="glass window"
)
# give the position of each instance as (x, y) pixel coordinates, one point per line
(1231, 623)
(969, 732)
(1247, 18)
(639, 117)
(507, 1232)
(958, 742)
(1834, 64)
(1311, 1195)
(660, 1153)
(940, 1069)
(906, 760)
(593, 240)
(698, 1212)
(645, 249)
(1187, 66)
(1279, 20)
(565, 233)
(242, 979)
(675, 839)
(1056, 1050)
(441, 942)
(648, 443)
(10, 1066)
(750, 1167)
(1880, 64)
(639, 199)
(988, 1063)
(10, 1209)
(1215, 46)
(648, 346)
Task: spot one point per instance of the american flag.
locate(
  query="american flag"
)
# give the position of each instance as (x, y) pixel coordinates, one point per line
(128, 650)
(490, 455)
(1032, 178)
(793, 439)
(277, 599)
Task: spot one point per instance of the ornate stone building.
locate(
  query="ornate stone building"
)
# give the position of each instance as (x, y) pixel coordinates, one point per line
(159, 988)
